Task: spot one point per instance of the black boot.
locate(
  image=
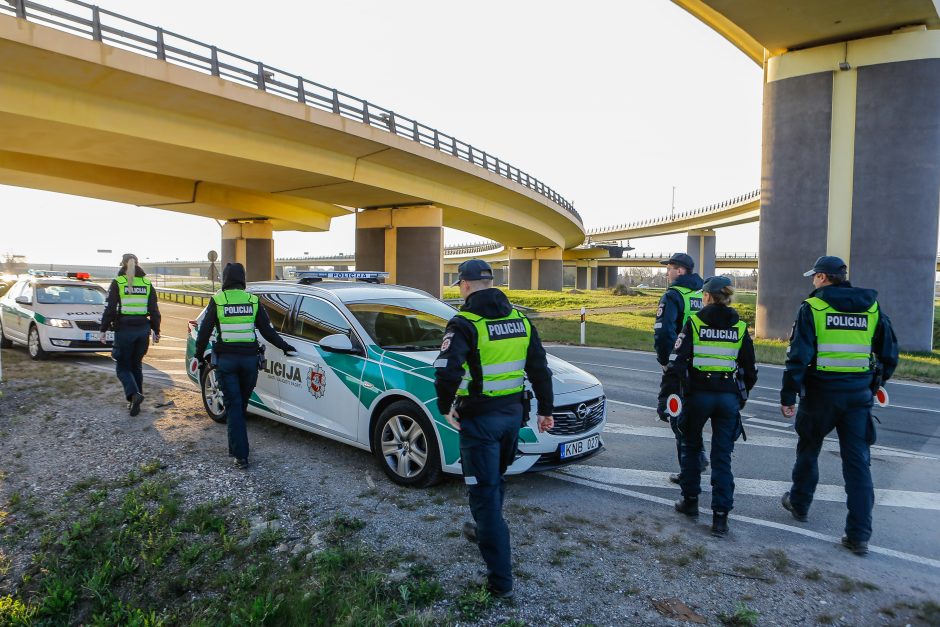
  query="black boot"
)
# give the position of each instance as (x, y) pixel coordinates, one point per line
(687, 505)
(719, 524)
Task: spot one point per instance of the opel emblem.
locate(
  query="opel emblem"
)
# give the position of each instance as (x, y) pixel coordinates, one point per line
(583, 411)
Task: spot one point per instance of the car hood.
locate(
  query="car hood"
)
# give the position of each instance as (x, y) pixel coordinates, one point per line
(565, 377)
(71, 312)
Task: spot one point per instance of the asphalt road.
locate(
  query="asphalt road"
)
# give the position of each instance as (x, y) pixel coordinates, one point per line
(640, 454)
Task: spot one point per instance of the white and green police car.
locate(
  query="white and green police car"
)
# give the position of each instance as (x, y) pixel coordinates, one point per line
(54, 312)
(363, 375)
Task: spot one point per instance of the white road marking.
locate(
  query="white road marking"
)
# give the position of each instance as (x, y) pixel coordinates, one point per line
(759, 440)
(587, 363)
(909, 557)
(751, 487)
(160, 347)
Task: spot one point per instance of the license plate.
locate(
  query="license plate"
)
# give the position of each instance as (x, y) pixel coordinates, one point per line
(579, 447)
(95, 336)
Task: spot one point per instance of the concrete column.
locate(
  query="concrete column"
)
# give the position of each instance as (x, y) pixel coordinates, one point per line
(406, 242)
(851, 167)
(607, 276)
(251, 244)
(701, 247)
(535, 269)
(592, 274)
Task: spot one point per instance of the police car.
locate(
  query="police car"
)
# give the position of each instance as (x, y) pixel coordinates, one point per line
(364, 375)
(54, 312)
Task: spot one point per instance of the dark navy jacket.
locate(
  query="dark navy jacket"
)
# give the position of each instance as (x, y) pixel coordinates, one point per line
(680, 377)
(669, 316)
(460, 347)
(801, 374)
(112, 319)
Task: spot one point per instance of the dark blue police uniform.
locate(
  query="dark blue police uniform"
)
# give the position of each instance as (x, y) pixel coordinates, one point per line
(836, 400)
(710, 395)
(236, 363)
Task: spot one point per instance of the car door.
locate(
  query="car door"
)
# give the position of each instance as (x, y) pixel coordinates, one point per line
(267, 393)
(319, 387)
(19, 314)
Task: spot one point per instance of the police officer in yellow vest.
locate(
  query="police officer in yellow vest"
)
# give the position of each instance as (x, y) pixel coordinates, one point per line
(681, 299)
(712, 361)
(842, 348)
(235, 315)
(132, 313)
(487, 351)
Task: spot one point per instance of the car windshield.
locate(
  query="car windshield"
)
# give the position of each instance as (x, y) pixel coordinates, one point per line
(404, 324)
(70, 295)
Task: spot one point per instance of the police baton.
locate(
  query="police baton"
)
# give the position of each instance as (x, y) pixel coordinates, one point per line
(881, 397)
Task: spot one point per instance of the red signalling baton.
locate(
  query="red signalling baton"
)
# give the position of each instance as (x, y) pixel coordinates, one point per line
(881, 397)
(673, 405)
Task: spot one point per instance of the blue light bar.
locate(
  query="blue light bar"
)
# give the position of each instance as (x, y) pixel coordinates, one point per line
(342, 274)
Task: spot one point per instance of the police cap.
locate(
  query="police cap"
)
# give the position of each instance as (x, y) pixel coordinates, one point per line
(473, 270)
(714, 284)
(827, 264)
(681, 259)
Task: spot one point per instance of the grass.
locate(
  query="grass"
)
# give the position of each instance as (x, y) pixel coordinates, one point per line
(138, 556)
(743, 616)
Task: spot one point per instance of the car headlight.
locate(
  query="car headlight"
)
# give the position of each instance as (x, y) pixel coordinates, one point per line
(58, 322)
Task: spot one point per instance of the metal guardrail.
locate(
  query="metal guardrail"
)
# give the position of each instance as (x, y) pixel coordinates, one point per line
(731, 202)
(185, 297)
(141, 38)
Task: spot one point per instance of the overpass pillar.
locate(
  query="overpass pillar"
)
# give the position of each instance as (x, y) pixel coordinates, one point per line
(535, 269)
(587, 278)
(700, 244)
(406, 242)
(250, 243)
(851, 167)
(607, 276)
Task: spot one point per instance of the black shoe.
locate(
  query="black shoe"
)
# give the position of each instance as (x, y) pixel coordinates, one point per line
(241, 463)
(674, 477)
(687, 506)
(719, 524)
(470, 531)
(134, 406)
(787, 505)
(498, 593)
(857, 547)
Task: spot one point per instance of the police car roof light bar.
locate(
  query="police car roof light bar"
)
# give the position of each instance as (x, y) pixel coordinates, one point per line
(81, 276)
(307, 277)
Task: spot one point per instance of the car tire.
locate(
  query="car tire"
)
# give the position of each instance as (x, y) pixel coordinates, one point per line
(34, 344)
(212, 395)
(4, 342)
(405, 446)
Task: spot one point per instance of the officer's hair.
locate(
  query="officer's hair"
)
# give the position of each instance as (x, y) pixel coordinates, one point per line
(835, 279)
(481, 284)
(723, 297)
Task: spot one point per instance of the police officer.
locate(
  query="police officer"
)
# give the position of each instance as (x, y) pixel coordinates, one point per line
(679, 301)
(487, 351)
(235, 314)
(714, 355)
(132, 313)
(842, 348)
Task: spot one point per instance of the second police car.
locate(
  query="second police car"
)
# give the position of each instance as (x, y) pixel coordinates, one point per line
(363, 375)
(54, 312)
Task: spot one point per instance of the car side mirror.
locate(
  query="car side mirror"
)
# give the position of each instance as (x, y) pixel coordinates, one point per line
(338, 343)
(23, 300)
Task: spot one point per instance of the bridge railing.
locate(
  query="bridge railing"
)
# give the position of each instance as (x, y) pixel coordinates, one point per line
(712, 208)
(136, 36)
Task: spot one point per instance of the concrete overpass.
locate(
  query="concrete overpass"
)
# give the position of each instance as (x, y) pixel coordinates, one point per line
(851, 147)
(96, 104)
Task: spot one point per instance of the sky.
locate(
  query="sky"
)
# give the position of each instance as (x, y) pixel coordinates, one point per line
(612, 104)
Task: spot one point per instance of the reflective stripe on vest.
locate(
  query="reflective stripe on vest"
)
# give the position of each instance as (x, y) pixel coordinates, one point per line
(843, 340)
(715, 349)
(503, 344)
(135, 296)
(236, 311)
(691, 300)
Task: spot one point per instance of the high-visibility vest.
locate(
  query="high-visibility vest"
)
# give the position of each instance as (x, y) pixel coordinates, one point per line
(236, 311)
(503, 344)
(134, 295)
(714, 349)
(843, 340)
(692, 301)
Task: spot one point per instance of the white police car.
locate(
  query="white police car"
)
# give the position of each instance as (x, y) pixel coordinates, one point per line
(54, 312)
(364, 375)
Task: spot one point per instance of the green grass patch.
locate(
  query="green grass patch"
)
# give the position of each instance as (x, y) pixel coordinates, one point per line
(139, 557)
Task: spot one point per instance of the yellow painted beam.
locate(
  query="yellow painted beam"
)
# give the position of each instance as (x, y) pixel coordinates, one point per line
(842, 165)
(738, 37)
